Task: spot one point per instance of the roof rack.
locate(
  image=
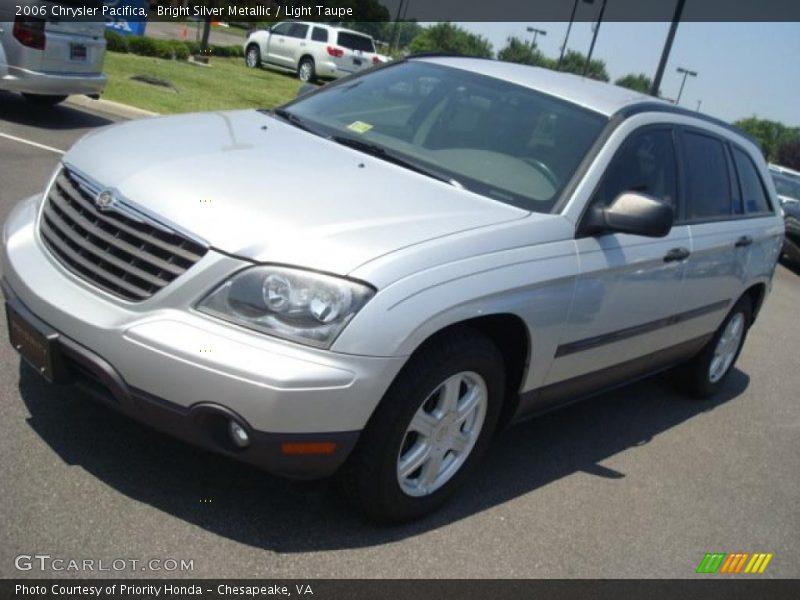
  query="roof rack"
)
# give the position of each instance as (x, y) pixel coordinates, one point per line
(649, 106)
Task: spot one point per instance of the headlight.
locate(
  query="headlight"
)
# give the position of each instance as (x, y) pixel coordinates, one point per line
(293, 304)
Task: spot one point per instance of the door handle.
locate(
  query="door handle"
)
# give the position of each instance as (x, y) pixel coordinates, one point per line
(676, 254)
(743, 241)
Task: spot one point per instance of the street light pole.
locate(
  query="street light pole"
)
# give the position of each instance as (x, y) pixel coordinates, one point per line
(594, 38)
(686, 73)
(535, 32)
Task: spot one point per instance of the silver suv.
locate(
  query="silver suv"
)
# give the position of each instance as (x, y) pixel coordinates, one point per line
(312, 50)
(48, 59)
(491, 241)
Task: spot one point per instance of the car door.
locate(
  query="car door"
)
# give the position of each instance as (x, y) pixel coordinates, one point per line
(721, 238)
(763, 252)
(278, 45)
(296, 43)
(628, 289)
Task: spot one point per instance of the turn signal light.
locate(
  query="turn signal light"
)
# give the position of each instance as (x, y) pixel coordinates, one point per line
(376, 60)
(308, 447)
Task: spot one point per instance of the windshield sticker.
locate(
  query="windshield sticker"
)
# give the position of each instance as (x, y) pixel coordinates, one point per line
(359, 127)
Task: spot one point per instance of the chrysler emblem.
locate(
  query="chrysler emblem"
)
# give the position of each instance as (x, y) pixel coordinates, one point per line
(105, 200)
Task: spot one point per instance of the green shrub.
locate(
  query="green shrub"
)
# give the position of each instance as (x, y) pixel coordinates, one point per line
(180, 49)
(116, 42)
(232, 51)
(167, 49)
(144, 46)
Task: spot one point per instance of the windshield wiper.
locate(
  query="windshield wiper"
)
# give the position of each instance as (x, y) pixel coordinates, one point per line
(379, 151)
(293, 119)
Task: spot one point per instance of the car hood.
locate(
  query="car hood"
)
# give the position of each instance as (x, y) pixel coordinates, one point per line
(256, 187)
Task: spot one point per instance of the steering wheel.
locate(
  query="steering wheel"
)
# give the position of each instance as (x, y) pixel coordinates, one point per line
(546, 171)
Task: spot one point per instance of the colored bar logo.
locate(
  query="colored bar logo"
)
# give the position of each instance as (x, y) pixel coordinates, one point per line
(738, 562)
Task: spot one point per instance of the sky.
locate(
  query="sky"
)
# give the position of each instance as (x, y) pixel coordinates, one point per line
(744, 69)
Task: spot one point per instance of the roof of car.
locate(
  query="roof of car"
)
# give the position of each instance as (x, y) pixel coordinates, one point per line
(589, 93)
(332, 27)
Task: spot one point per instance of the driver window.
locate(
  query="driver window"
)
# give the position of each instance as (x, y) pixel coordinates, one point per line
(645, 163)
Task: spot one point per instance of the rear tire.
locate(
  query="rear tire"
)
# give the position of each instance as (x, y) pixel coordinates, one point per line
(705, 374)
(452, 391)
(306, 72)
(44, 100)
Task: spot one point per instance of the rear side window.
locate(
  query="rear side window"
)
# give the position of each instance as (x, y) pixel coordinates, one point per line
(355, 42)
(753, 194)
(645, 163)
(708, 188)
(319, 35)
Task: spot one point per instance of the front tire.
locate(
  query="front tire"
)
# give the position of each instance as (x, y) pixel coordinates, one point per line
(705, 374)
(44, 100)
(252, 58)
(430, 430)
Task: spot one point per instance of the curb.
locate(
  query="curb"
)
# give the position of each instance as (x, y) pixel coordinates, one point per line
(114, 109)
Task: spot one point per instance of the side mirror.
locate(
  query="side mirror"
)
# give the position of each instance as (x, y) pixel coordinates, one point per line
(305, 89)
(632, 212)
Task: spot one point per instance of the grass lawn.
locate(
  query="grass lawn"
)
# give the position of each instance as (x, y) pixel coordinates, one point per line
(226, 84)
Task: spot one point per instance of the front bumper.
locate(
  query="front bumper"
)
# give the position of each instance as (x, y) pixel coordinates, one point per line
(169, 366)
(55, 84)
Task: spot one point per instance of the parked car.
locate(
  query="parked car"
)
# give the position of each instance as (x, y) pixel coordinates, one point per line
(787, 184)
(47, 59)
(492, 240)
(312, 50)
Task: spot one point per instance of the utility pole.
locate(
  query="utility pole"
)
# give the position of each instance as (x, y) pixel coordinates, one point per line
(594, 38)
(662, 64)
(686, 73)
(535, 32)
(396, 32)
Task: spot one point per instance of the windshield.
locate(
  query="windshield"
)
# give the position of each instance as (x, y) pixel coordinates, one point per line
(786, 185)
(495, 138)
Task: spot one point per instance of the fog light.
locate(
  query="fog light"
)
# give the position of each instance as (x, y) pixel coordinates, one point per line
(238, 434)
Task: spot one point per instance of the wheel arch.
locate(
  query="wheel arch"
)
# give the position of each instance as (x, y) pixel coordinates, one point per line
(509, 333)
(757, 294)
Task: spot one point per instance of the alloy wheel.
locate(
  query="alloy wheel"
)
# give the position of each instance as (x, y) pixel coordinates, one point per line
(442, 434)
(727, 347)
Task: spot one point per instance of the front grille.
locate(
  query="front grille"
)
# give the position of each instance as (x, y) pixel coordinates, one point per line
(130, 259)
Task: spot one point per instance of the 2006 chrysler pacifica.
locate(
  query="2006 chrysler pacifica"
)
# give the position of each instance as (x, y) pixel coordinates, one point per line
(376, 276)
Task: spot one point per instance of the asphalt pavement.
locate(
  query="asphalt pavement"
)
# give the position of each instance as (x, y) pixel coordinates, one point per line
(641, 482)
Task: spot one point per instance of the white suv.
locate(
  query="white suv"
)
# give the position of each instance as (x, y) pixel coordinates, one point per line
(312, 50)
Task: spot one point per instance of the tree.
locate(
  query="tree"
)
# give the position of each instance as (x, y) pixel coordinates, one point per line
(640, 83)
(446, 37)
(518, 51)
(789, 154)
(574, 62)
(772, 135)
